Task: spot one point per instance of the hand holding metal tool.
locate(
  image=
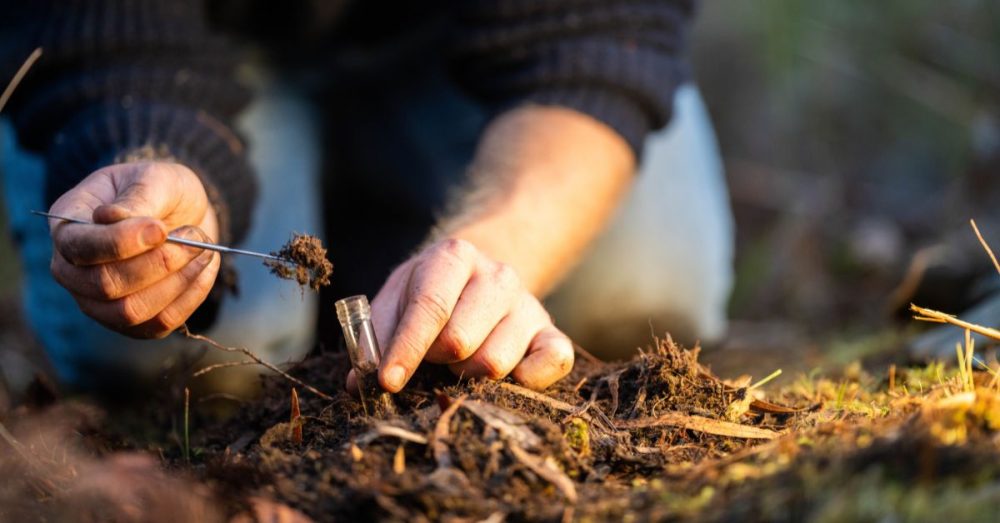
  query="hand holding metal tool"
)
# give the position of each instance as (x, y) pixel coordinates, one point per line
(184, 241)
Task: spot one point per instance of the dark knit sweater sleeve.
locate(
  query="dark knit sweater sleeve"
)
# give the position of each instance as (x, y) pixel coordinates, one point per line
(619, 61)
(127, 79)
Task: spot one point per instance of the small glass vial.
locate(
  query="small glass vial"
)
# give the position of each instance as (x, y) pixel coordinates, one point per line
(355, 317)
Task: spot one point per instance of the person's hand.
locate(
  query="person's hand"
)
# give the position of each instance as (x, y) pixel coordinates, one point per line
(453, 305)
(120, 270)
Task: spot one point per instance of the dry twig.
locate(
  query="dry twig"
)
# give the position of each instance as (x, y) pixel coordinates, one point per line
(985, 245)
(599, 421)
(700, 424)
(256, 359)
(18, 76)
(941, 317)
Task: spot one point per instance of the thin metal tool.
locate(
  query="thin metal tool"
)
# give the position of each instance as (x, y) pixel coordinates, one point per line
(183, 241)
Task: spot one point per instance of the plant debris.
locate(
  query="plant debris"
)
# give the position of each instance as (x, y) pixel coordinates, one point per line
(307, 264)
(659, 437)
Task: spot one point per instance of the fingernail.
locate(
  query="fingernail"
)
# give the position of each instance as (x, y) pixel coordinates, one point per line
(187, 232)
(394, 377)
(153, 235)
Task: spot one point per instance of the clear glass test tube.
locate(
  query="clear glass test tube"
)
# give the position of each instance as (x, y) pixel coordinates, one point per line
(355, 317)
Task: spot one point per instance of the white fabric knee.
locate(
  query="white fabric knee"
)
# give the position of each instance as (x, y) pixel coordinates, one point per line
(666, 262)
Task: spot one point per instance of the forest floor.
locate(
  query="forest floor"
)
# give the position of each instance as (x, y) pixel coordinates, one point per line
(658, 437)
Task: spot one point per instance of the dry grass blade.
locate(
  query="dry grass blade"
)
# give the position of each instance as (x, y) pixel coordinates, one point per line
(385, 430)
(700, 424)
(509, 424)
(546, 469)
(941, 317)
(985, 245)
(256, 359)
(599, 421)
(296, 419)
(399, 461)
(442, 430)
(18, 76)
(774, 408)
(39, 482)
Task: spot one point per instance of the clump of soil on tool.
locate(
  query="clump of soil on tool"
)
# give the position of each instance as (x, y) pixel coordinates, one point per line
(310, 269)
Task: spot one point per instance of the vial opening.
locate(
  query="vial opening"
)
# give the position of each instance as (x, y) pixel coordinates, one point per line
(353, 309)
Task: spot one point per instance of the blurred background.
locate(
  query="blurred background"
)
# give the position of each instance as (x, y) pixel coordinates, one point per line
(856, 135)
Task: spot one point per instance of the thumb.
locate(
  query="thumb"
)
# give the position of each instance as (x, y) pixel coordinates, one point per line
(142, 192)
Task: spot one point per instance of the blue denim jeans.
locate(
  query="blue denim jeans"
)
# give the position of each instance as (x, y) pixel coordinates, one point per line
(667, 257)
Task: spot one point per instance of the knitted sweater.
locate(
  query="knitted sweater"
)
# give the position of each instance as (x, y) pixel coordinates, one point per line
(120, 78)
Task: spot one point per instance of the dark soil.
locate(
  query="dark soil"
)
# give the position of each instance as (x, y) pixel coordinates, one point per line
(655, 438)
(310, 266)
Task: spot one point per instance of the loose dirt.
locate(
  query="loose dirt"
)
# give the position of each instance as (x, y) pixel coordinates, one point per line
(656, 438)
(311, 268)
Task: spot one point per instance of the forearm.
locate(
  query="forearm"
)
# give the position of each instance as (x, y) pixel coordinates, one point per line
(543, 185)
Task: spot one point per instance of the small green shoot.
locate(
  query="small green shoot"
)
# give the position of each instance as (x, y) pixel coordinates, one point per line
(764, 381)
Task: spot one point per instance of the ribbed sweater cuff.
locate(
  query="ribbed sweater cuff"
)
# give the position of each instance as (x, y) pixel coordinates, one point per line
(618, 111)
(109, 133)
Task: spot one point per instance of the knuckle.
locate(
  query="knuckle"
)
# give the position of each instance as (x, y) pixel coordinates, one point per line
(409, 348)
(107, 282)
(163, 261)
(493, 367)
(455, 343)
(117, 247)
(168, 321)
(505, 276)
(431, 306)
(457, 248)
(201, 287)
(69, 248)
(132, 311)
